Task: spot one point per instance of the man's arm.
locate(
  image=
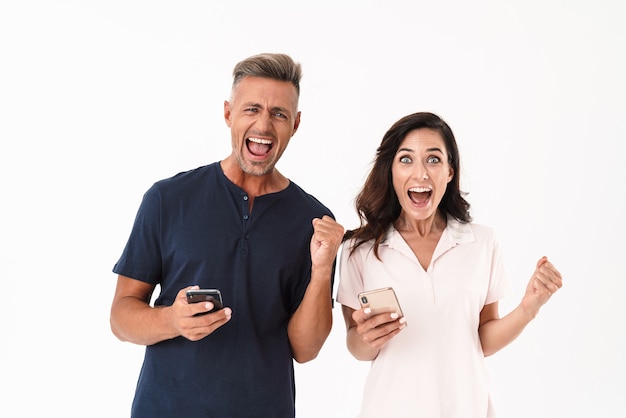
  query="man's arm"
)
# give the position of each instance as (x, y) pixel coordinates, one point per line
(134, 320)
(311, 323)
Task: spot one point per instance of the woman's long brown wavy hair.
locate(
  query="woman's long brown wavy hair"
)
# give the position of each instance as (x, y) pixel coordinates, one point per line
(377, 204)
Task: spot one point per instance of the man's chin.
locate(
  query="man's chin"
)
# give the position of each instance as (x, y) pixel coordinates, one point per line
(257, 168)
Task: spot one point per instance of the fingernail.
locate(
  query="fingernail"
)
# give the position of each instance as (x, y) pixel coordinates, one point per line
(394, 315)
(367, 310)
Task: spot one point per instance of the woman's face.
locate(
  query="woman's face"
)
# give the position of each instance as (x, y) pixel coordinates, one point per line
(421, 173)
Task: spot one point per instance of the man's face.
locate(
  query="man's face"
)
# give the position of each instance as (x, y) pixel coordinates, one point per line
(263, 116)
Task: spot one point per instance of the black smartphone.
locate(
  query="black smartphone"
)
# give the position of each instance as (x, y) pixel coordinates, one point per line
(206, 295)
(380, 300)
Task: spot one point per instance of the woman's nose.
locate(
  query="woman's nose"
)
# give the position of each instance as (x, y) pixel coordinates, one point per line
(421, 172)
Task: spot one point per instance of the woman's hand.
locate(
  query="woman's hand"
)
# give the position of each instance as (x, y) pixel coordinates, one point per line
(545, 281)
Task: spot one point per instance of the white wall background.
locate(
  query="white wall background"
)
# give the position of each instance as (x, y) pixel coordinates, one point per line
(100, 99)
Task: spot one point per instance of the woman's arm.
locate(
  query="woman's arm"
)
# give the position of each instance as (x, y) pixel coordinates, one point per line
(495, 333)
(367, 335)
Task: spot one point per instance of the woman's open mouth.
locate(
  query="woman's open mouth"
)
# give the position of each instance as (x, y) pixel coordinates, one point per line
(420, 195)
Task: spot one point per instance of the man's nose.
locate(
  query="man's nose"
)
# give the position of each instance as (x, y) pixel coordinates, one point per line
(264, 121)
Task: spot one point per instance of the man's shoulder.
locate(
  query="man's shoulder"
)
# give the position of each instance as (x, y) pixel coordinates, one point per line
(308, 199)
(190, 175)
(185, 179)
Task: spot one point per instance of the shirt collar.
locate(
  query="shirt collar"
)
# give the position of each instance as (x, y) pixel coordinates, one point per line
(456, 233)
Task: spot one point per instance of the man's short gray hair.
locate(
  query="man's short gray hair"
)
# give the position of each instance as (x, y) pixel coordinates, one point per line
(279, 67)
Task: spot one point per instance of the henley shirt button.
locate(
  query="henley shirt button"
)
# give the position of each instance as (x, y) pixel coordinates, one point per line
(245, 217)
(245, 197)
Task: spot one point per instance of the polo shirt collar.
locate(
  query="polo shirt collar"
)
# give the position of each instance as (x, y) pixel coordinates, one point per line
(456, 233)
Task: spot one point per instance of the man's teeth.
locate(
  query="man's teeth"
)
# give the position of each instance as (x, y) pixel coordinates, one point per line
(260, 141)
(420, 189)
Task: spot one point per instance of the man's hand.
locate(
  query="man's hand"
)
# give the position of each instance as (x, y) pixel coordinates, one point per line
(183, 317)
(325, 242)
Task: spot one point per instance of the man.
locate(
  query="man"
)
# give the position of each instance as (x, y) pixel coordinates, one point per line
(240, 226)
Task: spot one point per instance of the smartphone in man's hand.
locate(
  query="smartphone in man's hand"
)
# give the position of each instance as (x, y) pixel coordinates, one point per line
(206, 295)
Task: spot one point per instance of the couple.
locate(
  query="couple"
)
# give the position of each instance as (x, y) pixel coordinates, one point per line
(240, 226)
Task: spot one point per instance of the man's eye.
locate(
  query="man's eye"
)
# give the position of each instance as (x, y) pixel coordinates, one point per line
(251, 109)
(280, 115)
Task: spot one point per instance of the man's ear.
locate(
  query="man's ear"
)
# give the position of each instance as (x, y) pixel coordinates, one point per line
(227, 112)
(296, 124)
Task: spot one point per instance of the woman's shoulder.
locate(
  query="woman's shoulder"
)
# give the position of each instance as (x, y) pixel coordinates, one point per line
(476, 230)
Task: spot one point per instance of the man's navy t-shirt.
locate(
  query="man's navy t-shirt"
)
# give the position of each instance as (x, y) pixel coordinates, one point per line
(195, 228)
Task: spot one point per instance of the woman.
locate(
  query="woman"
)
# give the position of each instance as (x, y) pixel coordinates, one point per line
(417, 237)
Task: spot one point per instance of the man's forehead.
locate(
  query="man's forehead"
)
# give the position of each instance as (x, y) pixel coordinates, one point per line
(265, 92)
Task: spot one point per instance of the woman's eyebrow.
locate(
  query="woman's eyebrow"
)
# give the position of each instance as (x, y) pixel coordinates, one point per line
(428, 149)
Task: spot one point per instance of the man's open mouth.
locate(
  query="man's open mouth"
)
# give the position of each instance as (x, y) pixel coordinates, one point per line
(258, 147)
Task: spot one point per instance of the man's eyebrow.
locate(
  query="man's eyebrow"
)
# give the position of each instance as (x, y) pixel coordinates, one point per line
(280, 109)
(273, 109)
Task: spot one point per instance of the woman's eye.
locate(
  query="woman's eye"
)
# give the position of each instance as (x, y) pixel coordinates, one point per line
(405, 160)
(433, 160)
